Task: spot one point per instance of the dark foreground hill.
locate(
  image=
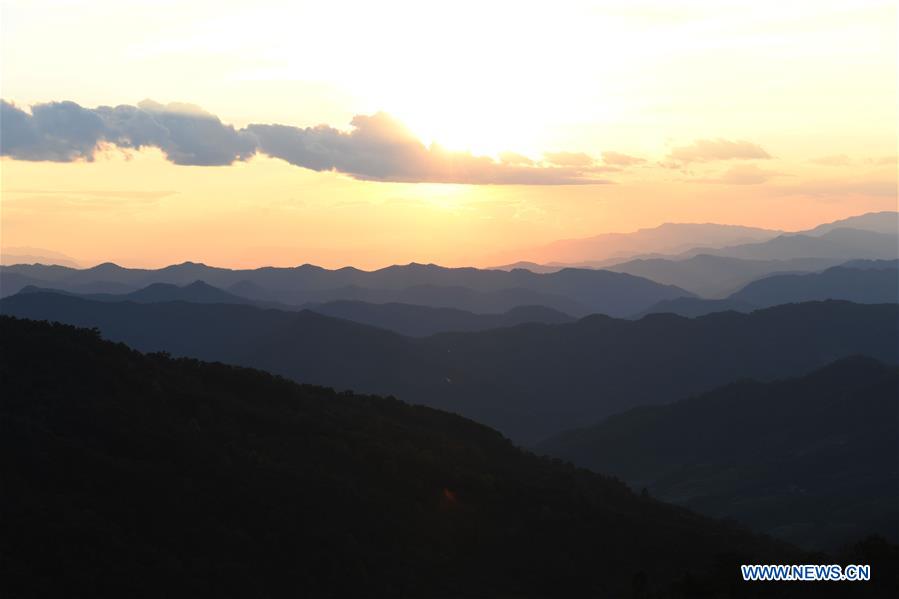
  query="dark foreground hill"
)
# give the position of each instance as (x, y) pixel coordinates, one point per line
(131, 475)
(530, 381)
(814, 459)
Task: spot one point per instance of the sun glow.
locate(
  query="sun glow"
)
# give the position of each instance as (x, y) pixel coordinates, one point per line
(636, 79)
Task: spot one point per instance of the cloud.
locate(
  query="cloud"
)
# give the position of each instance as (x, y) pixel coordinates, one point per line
(836, 160)
(575, 159)
(743, 174)
(59, 131)
(708, 150)
(619, 159)
(882, 161)
(64, 131)
(376, 148)
(514, 158)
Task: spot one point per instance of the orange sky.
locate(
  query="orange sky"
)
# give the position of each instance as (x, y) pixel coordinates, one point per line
(781, 116)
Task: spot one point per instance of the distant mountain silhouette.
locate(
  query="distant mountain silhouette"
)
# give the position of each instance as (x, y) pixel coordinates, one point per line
(691, 307)
(529, 381)
(407, 319)
(420, 321)
(197, 292)
(867, 286)
(667, 238)
(813, 459)
(865, 282)
(12, 283)
(572, 291)
(877, 264)
(716, 276)
(14, 278)
(650, 252)
(838, 244)
(454, 297)
(879, 222)
(532, 266)
(30, 255)
(130, 475)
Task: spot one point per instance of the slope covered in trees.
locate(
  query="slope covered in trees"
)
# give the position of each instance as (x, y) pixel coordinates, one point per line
(529, 381)
(132, 475)
(811, 459)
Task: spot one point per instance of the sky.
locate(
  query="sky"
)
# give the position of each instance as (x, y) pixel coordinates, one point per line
(370, 133)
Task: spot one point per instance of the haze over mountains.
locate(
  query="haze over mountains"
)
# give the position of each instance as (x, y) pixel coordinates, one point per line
(636, 287)
(862, 281)
(592, 364)
(683, 240)
(716, 277)
(810, 459)
(449, 300)
(668, 238)
(716, 270)
(30, 255)
(572, 291)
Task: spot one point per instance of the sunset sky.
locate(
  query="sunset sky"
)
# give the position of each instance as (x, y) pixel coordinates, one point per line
(370, 133)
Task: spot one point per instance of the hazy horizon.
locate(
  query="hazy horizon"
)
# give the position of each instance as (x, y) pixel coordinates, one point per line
(458, 144)
(47, 255)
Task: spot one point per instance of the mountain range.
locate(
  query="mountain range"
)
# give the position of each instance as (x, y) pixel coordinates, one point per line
(715, 270)
(132, 474)
(421, 321)
(684, 240)
(503, 377)
(810, 459)
(718, 261)
(198, 292)
(841, 243)
(572, 291)
(716, 277)
(667, 238)
(861, 281)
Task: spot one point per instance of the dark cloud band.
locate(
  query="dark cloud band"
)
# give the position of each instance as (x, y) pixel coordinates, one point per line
(377, 148)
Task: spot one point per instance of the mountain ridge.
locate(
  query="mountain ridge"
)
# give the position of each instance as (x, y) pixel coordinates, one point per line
(229, 481)
(592, 367)
(809, 458)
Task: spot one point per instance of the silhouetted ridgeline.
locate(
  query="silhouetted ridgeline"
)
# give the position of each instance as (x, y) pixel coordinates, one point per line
(871, 285)
(571, 291)
(716, 276)
(839, 243)
(421, 321)
(529, 381)
(130, 475)
(862, 281)
(814, 460)
(872, 235)
(406, 319)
